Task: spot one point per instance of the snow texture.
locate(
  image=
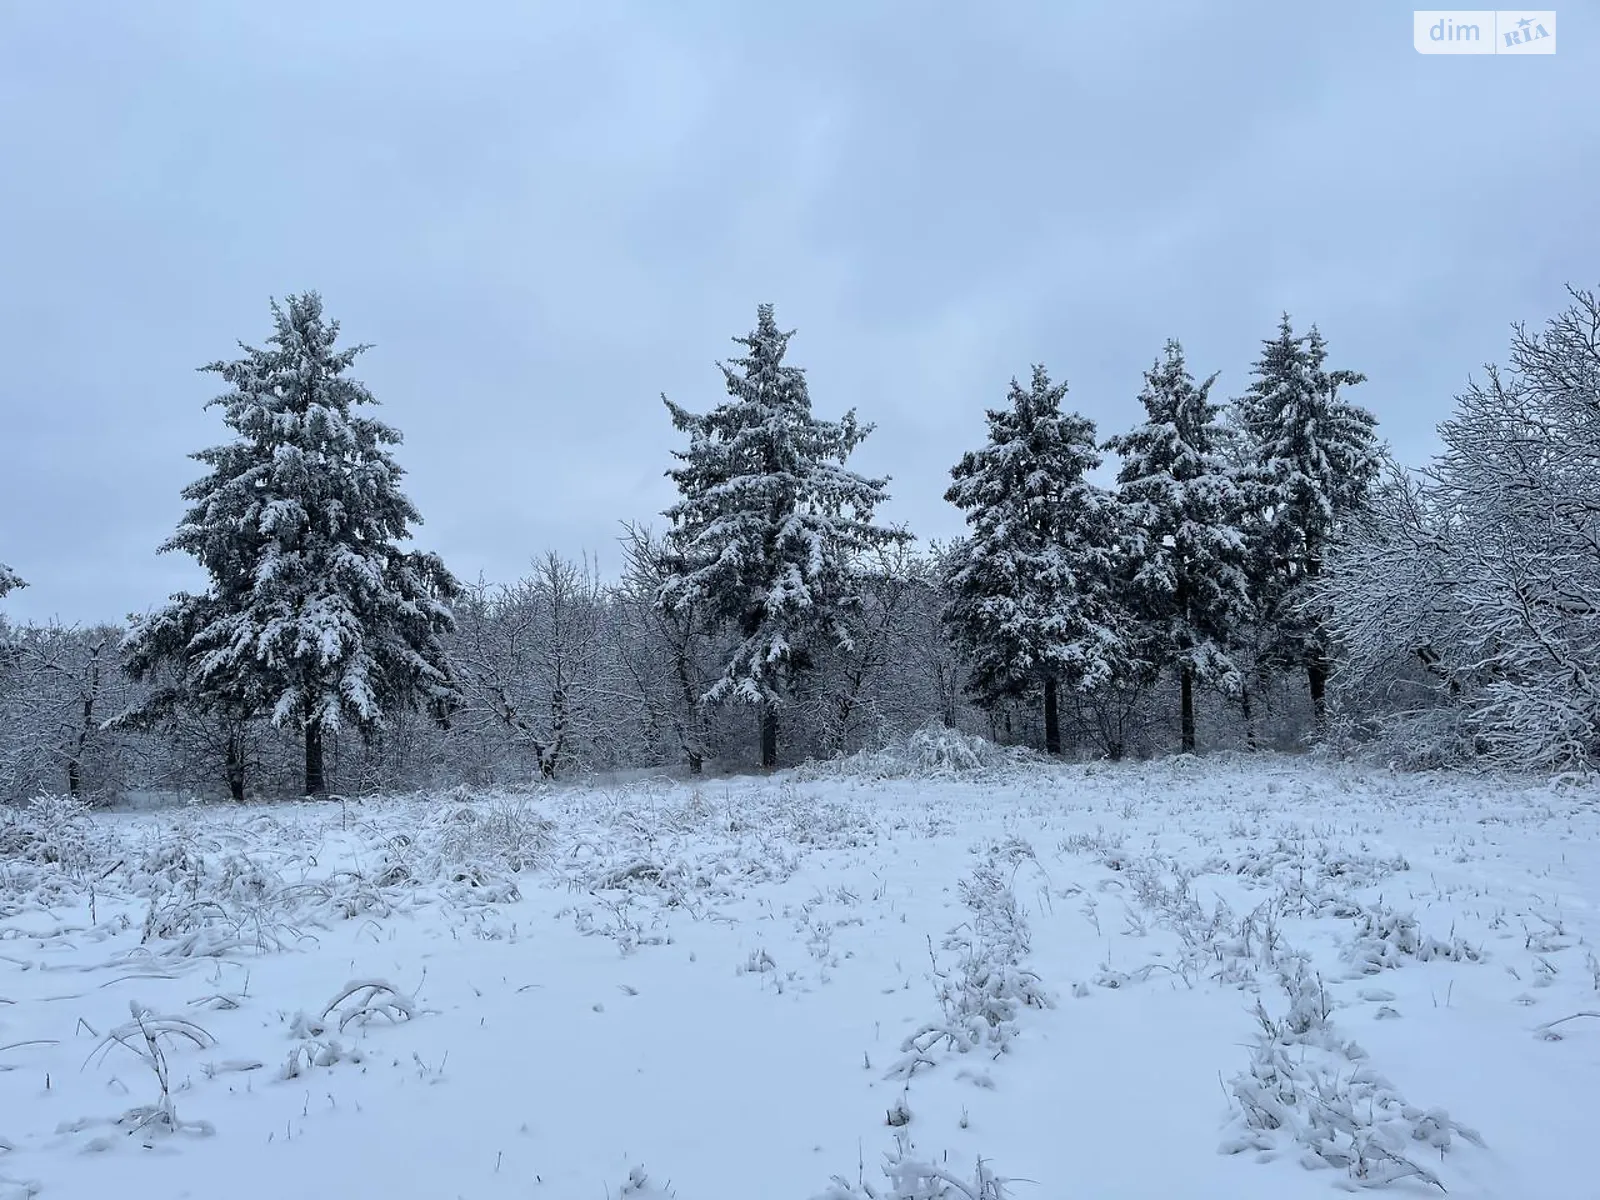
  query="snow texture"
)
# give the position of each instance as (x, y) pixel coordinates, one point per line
(941, 972)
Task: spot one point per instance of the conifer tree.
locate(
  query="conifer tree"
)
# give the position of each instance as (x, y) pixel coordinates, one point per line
(10, 580)
(769, 524)
(1316, 458)
(1186, 552)
(315, 615)
(1032, 584)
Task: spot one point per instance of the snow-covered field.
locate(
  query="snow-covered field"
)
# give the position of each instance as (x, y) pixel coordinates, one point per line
(1226, 978)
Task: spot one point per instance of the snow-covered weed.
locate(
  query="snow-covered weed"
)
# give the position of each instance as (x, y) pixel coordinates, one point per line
(1304, 1083)
(362, 1000)
(638, 1186)
(1341, 1112)
(146, 1036)
(982, 992)
(1384, 938)
(359, 1002)
(912, 1178)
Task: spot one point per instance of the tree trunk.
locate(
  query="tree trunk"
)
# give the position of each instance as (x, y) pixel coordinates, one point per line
(235, 769)
(769, 736)
(75, 763)
(1052, 719)
(316, 779)
(691, 730)
(1186, 703)
(1317, 662)
(1251, 741)
(1317, 677)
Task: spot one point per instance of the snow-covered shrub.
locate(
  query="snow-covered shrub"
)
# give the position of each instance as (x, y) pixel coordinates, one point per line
(929, 752)
(501, 834)
(48, 845)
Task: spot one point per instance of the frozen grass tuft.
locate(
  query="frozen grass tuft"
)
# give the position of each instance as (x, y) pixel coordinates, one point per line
(910, 1178)
(638, 1186)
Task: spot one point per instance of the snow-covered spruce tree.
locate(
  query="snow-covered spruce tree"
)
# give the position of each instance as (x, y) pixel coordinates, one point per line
(9, 580)
(1186, 555)
(768, 523)
(1032, 586)
(1316, 457)
(315, 615)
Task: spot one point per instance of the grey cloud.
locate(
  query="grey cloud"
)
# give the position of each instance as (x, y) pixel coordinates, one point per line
(544, 216)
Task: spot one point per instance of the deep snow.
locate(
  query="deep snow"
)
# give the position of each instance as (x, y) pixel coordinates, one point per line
(1253, 979)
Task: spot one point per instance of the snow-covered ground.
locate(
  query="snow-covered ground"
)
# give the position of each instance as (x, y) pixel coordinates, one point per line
(1185, 979)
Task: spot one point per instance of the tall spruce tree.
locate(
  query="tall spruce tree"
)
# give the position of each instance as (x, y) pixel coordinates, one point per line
(769, 524)
(1316, 459)
(1186, 552)
(1032, 584)
(315, 616)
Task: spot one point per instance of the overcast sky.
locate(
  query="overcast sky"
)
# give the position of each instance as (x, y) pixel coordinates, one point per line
(544, 215)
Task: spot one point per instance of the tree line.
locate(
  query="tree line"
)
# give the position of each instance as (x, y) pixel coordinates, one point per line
(1259, 566)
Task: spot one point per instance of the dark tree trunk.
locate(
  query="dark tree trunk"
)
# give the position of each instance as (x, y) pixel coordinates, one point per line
(769, 736)
(316, 778)
(1052, 719)
(235, 769)
(75, 763)
(1186, 704)
(1317, 665)
(1251, 741)
(1317, 677)
(691, 730)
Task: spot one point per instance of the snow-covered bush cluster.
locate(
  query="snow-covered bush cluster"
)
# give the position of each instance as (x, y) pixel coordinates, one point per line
(932, 751)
